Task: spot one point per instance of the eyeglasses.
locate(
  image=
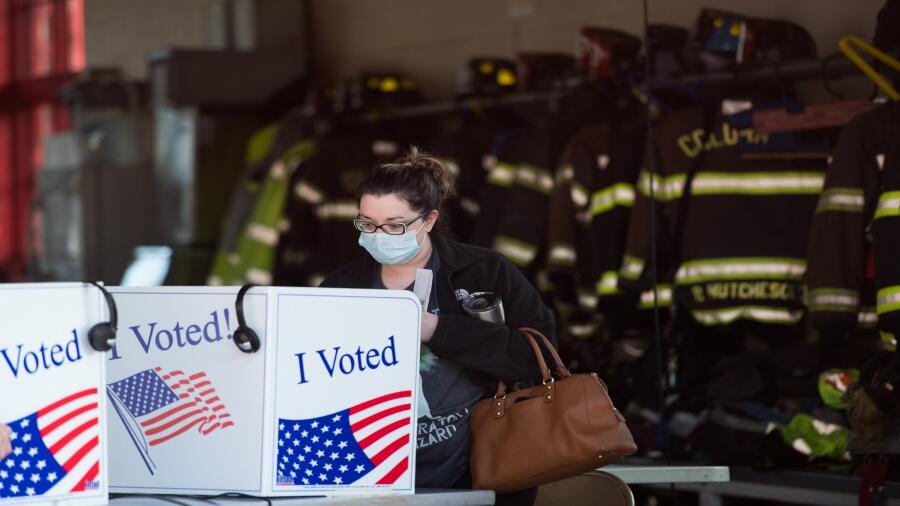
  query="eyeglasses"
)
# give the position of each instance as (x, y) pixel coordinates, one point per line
(367, 227)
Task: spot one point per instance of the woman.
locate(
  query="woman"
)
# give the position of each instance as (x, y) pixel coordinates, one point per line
(5, 441)
(462, 357)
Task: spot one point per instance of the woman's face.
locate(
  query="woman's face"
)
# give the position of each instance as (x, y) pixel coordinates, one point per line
(390, 208)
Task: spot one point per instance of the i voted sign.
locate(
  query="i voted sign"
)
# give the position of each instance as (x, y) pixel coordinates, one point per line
(326, 406)
(54, 395)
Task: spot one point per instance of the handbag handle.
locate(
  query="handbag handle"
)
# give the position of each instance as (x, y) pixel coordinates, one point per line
(561, 369)
(542, 364)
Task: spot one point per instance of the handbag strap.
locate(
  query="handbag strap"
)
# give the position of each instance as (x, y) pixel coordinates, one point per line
(561, 369)
(542, 364)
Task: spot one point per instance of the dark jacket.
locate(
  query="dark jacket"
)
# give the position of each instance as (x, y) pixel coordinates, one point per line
(497, 351)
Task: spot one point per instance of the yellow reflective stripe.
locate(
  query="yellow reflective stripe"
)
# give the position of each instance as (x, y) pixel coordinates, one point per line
(579, 195)
(260, 143)
(346, 210)
(608, 284)
(888, 205)
(698, 271)
(518, 252)
(306, 192)
(761, 314)
(632, 267)
(665, 188)
(562, 254)
(663, 297)
(620, 194)
(534, 178)
(757, 183)
(888, 299)
(834, 300)
(841, 199)
(262, 234)
(502, 174)
(889, 340)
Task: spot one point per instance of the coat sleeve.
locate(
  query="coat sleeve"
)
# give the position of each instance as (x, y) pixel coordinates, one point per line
(499, 351)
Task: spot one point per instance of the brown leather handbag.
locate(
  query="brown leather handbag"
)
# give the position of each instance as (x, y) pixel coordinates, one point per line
(561, 428)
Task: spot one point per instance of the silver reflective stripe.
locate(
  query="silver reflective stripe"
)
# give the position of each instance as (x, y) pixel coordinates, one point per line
(888, 205)
(867, 317)
(632, 267)
(762, 314)
(517, 252)
(278, 170)
(337, 210)
(621, 194)
(608, 283)
(889, 299)
(663, 297)
(834, 299)
(562, 254)
(262, 234)
(258, 276)
(502, 174)
(841, 199)
(308, 193)
(565, 173)
(698, 271)
(757, 183)
(535, 178)
(579, 195)
(587, 300)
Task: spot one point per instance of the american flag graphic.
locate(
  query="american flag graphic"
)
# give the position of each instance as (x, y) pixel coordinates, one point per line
(157, 407)
(369, 440)
(56, 449)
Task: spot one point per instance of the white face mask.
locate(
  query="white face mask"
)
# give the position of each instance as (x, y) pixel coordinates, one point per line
(390, 249)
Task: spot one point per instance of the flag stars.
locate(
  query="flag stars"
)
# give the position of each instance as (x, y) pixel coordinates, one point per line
(281, 426)
(25, 423)
(287, 435)
(315, 439)
(334, 455)
(10, 463)
(301, 458)
(296, 427)
(338, 480)
(337, 418)
(320, 453)
(51, 477)
(342, 445)
(17, 451)
(296, 442)
(306, 481)
(360, 468)
(328, 443)
(14, 489)
(296, 466)
(307, 449)
(323, 477)
(3, 474)
(304, 434)
(315, 425)
(32, 452)
(327, 467)
(337, 432)
(35, 477)
(314, 463)
(25, 464)
(13, 436)
(19, 477)
(350, 456)
(309, 472)
(343, 468)
(29, 491)
(41, 464)
(325, 428)
(26, 438)
(284, 458)
(290, 451)
(293, 475)
(280, 442)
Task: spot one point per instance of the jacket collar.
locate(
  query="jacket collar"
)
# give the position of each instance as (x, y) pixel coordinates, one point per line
(456, 256)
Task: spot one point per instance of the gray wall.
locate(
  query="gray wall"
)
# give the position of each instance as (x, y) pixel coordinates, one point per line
(431, 39)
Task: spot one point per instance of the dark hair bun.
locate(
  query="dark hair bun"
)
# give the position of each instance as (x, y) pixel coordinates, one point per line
(442, 177)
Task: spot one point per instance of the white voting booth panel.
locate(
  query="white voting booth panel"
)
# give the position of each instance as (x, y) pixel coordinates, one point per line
(52, 395)
(325, 407)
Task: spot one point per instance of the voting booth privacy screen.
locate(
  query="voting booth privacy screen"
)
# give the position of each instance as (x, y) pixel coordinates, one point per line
(53, 384)
(326, 406)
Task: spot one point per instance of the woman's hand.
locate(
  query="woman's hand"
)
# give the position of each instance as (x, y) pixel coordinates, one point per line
(429, 324)
(5, 442)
